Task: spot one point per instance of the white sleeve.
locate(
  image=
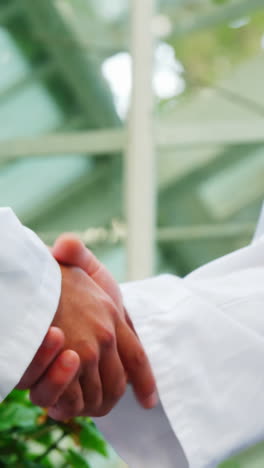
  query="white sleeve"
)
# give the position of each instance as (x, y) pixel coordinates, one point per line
(30, 284)
(204, 336)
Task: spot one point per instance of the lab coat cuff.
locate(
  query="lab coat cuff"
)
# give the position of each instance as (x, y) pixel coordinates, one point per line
(23, 344)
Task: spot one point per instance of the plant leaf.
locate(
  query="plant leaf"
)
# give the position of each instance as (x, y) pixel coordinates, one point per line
(76, 460)
(92, 439)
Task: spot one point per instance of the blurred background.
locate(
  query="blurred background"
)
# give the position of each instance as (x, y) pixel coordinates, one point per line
(139, 125)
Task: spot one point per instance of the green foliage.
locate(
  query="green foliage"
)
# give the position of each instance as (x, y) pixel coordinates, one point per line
(30, 439)
(220, 2)
(90, 438)
(76, 460)
(213, 51)
(230, 464)
(211, 54)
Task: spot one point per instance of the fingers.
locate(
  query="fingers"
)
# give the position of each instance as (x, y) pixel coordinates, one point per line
(138, 368)
(113, 380)
(69, 405)
(103, 379)
(90, 379)
(54, 382)
(49, 349)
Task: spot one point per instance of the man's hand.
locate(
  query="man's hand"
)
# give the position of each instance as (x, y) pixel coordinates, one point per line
(90, 379)
(100, 332)
(51, 371)
(90, 321)
(69, 250)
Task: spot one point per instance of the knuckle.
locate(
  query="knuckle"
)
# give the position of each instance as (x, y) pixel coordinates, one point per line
(114, 312)
(138, 358)
(107, 338)
(90, 354)
(110, 307)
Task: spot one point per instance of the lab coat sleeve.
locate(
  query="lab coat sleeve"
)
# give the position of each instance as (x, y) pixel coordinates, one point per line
(30, 284)
(204, 335)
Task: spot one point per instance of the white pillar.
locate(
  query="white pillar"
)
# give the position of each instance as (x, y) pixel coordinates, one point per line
(140, 161)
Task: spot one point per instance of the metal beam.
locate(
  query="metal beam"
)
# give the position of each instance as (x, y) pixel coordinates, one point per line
(117, 233)
(97, 142)
(140, 162)
(208, 133)
(101, 142)
(204, 232)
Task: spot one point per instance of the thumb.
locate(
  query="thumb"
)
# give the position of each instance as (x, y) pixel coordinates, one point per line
(69, 250)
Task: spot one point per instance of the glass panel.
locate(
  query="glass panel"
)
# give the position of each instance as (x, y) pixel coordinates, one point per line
(13, 66)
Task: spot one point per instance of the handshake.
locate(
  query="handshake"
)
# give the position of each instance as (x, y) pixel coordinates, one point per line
(91, 351)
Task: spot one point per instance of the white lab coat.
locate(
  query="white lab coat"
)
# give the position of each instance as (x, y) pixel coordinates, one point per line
(204, 335)
(30, 284)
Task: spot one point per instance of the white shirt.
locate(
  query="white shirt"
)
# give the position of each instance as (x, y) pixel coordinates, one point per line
(204, 335)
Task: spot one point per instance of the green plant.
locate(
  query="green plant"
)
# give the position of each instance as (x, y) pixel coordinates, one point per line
(30, 439)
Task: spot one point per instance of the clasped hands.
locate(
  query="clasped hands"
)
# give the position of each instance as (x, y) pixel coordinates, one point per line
(91, 352)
